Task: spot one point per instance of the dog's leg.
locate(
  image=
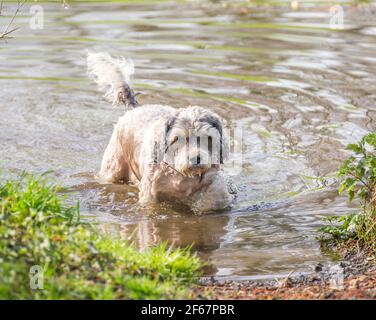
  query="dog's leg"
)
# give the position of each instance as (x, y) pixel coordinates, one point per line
(147, 186)
(114, 167)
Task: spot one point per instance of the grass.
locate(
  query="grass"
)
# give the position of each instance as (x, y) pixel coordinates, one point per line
(78, 262)
(359, 181)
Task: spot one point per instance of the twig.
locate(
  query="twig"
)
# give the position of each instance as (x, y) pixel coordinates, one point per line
(4, 34)
(284, 282)
(8, 29)
(165, 163)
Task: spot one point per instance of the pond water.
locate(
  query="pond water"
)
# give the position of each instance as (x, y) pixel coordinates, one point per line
(300, 91)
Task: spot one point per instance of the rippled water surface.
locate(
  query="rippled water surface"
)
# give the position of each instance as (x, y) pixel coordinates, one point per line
(300, 90)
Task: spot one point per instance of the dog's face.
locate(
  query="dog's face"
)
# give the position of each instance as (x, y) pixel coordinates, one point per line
(194, 141)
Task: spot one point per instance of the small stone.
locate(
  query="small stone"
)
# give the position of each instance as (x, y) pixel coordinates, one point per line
(318, 267)
(328, 294)
(362, 278)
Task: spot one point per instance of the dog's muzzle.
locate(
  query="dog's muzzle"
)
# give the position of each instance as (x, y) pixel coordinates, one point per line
(196, 165)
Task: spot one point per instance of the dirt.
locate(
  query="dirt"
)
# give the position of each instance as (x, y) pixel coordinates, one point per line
(355, 287)
(354, 277)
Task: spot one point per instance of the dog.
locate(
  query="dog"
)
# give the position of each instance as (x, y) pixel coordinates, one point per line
(170, 154)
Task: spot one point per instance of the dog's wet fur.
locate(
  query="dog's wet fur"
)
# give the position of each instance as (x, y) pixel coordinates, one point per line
(169, 154)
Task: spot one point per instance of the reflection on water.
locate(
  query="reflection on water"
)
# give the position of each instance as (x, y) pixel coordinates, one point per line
(299, 90)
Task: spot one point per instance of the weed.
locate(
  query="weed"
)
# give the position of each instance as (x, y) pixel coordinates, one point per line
(359, 181)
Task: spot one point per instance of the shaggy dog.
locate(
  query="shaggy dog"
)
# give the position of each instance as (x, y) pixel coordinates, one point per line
(169, 154)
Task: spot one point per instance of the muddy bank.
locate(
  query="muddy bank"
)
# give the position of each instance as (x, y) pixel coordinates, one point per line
(354, 277)
(355, 287)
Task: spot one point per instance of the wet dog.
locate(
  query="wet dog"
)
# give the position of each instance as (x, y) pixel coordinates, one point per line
(169, 154)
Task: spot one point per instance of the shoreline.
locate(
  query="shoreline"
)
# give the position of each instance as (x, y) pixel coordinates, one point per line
(353, 277)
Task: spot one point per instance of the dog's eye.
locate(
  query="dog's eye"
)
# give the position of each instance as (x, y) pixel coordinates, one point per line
(176, 138)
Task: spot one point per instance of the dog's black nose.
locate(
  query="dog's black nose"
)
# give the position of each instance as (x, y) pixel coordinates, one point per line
(198, 160)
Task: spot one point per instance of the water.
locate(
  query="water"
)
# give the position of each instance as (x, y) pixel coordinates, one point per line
(300, 90)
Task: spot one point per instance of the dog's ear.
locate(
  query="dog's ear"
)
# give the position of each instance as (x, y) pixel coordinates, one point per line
(160, 140)
(169, 124)
(215, 121)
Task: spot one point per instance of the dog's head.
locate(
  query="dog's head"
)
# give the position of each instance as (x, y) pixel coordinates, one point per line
(194, 141)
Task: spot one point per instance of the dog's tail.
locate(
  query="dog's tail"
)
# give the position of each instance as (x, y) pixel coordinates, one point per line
(113, 75)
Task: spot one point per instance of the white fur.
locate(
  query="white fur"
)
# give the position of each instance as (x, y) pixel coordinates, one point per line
(110, 74)
(137, 150)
